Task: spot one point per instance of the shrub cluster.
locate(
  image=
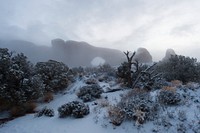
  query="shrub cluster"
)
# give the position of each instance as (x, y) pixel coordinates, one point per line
(54, 75)
(169, 97)
(46, 112)
(18, 84)
(107, 70)
(137, 106)
(22, 82)
(75, 108)
(89, 93)
(91, 81)
(181, 68)
(116, 115)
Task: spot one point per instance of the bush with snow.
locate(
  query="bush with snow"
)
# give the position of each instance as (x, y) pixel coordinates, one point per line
(18, 84)
(89, 93)
(46, 112)
(181, 68)
(116, 115)
(136, 105)
(91, 81)
(75, 108)
(169, 97)
(54, 75)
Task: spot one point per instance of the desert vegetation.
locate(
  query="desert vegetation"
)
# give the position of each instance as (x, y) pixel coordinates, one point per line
(23, 83)
(146, 92)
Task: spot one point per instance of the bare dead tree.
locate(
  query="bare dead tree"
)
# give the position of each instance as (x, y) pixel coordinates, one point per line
(129, 58)
(125, 70)
(146, 76)
(134, 73)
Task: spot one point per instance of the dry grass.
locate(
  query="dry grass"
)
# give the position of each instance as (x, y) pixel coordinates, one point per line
(176, 83)
(4, 105)
(48, 97)
(17, 111)
(30, 107)
(116, 115)
(168, 88)
(21, 110)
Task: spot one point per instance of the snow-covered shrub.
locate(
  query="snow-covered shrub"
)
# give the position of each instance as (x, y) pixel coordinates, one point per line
(46, 112)
(78, 70)
(169, 97)
(54, 75)
(107, 69)
(91, 81)
(181, 68)
(33, 87)
(89, 93)
(116, 115)
(138, 105)
(124, 72)
(106, 78)
(17, 84)
(75, 108)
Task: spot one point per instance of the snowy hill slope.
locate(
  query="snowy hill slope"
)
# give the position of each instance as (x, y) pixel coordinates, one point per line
(97, 121)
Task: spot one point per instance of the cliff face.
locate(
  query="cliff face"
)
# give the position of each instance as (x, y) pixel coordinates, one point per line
(82, 53)
(72, 53)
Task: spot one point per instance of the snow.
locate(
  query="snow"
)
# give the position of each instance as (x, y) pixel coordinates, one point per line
(97, 121)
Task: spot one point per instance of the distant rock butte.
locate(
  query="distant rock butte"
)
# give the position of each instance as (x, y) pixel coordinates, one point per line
(168, 54)
(143, 56)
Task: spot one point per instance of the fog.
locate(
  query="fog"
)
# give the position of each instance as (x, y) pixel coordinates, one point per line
(72, 53)
(156, 25)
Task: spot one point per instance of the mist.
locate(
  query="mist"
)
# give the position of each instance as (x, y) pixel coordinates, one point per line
(117, 24)
(72, 53)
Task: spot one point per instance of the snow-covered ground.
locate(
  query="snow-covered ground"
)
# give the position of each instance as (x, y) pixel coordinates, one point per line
(98, 122)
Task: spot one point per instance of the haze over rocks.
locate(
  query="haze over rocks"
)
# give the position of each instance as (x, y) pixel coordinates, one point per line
(74, 53)
(70, 52)
(168, 54)
(82, 53)
(143, 56)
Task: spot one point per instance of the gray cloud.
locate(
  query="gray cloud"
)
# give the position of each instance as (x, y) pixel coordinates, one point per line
(121, 24)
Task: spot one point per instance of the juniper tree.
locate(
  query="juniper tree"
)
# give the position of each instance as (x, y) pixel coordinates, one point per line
(135, 74)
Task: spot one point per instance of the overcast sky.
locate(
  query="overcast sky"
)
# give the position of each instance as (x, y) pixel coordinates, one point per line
(121, 24)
